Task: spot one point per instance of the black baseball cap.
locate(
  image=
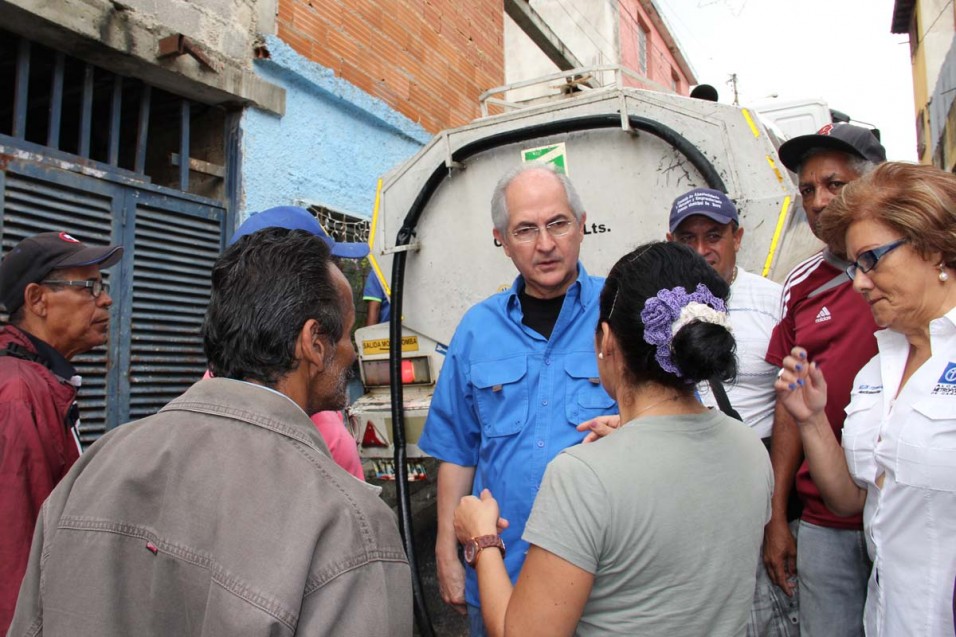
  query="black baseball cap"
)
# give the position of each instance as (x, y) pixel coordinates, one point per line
(31, 260)
(854, 140)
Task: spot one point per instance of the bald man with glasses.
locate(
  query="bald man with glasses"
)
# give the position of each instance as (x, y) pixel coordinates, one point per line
(519, 374)
(58, 307)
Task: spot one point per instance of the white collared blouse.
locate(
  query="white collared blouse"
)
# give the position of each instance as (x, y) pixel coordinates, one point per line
(908, 436)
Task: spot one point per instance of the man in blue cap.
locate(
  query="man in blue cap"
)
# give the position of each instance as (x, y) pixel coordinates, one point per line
(329, 423)
(295, 218)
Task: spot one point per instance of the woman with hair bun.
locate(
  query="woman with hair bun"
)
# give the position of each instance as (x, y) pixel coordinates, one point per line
(656, 528)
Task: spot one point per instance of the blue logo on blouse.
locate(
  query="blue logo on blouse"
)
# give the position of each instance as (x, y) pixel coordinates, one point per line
(949, 375)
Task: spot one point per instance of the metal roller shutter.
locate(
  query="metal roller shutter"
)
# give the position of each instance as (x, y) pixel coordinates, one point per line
(172, 263)
(160, 289)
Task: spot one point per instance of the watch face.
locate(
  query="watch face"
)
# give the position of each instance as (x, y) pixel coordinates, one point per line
(471, 551)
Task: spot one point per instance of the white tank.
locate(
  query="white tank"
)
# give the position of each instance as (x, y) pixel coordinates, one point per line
(627, 178)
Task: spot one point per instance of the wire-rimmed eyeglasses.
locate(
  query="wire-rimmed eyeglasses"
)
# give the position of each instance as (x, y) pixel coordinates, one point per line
(866, 261)
(556, 228)
(95, 286)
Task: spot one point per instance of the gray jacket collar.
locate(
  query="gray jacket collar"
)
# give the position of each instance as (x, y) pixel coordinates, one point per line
(257, 406)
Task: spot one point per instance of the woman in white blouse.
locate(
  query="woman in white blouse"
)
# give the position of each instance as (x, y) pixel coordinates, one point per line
(898, 462)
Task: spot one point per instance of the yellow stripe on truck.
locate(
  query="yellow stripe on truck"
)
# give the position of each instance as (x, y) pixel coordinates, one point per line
(750, 122)
(371, 240)
(781, 218)
(773, 167)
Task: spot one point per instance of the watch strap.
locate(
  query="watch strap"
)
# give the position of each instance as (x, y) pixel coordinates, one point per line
(484, 542)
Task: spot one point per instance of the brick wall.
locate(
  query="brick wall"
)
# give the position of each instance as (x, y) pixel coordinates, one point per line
(662, 67)
(427, 59)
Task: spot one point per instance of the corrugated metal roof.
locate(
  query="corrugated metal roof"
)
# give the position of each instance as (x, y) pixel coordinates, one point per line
(902, 15)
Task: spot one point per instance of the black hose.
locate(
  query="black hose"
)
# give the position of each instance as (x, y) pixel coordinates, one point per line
(404, 238)
(588, 122)
(398, 440)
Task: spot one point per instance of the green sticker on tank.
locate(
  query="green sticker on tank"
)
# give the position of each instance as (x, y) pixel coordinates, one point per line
(554, 154)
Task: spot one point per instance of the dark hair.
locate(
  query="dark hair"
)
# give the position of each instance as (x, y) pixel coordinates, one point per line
(264, 288)
(700, 351)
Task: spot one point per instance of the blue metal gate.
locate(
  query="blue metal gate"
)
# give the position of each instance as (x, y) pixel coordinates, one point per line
(159, 289)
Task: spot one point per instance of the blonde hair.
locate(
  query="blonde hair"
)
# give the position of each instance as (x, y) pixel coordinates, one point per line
(918, 201)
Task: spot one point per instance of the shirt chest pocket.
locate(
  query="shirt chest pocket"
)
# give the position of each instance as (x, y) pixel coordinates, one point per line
(860, 432)
(927, 451)
(586, 397)
(501, 395)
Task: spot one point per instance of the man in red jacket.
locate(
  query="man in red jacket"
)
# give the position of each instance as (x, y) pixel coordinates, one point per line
(58, 307)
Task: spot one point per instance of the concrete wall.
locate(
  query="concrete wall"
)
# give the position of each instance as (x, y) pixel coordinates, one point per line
(936, 90)
(936, 26)
(942, 113)
(123, 35)
(587, 28)
(596, 32)
(427, 59)
(331, 146)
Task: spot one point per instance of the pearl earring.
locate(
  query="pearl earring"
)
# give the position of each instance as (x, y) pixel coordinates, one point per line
(943, 274)
(601, 355)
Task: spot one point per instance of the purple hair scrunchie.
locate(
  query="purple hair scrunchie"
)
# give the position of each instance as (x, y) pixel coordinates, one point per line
(662, 312)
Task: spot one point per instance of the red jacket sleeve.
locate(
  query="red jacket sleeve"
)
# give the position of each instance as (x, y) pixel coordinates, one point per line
(26, 479)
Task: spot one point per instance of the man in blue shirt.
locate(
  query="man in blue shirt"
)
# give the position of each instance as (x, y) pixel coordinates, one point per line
(378, 307)
(519, 375)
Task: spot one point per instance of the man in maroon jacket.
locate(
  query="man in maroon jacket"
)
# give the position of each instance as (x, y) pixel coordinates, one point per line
(58, 307)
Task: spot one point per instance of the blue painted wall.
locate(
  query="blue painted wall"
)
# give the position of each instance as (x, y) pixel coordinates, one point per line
(330, 147)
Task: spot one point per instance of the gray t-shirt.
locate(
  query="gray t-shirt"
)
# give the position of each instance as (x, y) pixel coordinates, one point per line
(668, 514)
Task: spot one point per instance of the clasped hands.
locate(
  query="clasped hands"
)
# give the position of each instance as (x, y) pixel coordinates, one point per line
(475, 517)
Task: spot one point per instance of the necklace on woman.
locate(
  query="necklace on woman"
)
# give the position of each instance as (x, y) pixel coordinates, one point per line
(733, 277)
(652, 405)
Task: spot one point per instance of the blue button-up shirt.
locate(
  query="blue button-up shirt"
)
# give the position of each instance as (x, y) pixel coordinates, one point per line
(508, 401)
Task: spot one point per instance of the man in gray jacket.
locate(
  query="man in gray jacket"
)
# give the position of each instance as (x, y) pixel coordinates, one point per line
(224, 513)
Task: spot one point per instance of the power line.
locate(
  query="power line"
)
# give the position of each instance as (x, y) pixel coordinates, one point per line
(600, 49)
(701, 4)
(936, 19)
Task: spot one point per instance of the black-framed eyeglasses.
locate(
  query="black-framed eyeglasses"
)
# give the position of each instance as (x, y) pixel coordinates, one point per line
(95, 286)
(557, 228)
(866, 261)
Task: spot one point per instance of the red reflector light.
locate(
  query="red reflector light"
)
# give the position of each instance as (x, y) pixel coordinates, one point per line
(370, 437)
(408, 372)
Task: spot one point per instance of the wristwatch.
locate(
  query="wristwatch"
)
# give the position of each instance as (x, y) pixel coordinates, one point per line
(476, 545)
